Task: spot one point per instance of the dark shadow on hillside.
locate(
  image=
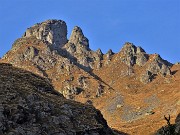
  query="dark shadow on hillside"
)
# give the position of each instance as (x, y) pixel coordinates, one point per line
(41, 84)
(170, 129)
(174, 72)
(119, 132)
(177, 121)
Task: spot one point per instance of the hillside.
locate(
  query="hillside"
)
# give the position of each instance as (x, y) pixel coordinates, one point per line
(132, 89)
(30, 105)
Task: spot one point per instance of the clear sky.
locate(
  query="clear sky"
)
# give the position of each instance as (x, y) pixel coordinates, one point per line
(152, 24)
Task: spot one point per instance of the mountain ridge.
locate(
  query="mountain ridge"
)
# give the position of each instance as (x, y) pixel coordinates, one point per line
(92, 77)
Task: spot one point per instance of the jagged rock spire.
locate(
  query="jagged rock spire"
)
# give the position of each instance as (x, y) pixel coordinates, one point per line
(99, 52)
(110, 52)
(51, 31)
(77, 37)
(130, 54)
(108, 55)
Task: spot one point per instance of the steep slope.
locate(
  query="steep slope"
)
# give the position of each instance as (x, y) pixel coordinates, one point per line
(135, 107)
(30, 105)
(132, 89)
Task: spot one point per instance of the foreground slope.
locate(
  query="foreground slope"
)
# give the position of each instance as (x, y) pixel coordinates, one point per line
(30, 105)
(133, 89)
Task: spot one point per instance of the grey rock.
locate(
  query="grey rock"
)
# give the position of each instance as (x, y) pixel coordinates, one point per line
(146, 77)
(30, 53)
(51, 31)
(99, 55)
(77, 37)
(82, 81)
(141, 59)
(99, 90)
(140, 50)
(130, 55)
(99, 64)
(109, 54)
(127, 54)
(158, 65)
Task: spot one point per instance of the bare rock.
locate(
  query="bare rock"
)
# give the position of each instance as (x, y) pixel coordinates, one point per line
(140, 50)
(127, 54)
(141, 59)
(130, 55)
(30, 53)
(99, 90)
(82, 81)
(52, 31)
(109, 54)
(77, 37)
(99, 55)
(156, 66)
(146, 77)
(78, 43)
(159, 66)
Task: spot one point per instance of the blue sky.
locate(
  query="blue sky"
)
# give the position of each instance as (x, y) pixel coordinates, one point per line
(152, 24)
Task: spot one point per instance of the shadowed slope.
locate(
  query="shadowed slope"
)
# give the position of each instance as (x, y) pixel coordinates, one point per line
(30, 105)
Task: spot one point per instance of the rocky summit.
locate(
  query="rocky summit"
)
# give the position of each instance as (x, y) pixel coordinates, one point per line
(132, 89)
(51, 31)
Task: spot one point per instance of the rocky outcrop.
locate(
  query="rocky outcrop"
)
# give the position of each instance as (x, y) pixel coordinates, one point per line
(51, 31)
(158, 65)
(54, 34)
(78, 48)
(153, 64)
(130, 55)
(146, 77)
(77, 37)
(30, 53)
(30, 105)
(109, 54)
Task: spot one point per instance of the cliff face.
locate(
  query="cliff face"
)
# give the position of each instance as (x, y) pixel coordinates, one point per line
(51, 31)
(123, 85)
(30, 105)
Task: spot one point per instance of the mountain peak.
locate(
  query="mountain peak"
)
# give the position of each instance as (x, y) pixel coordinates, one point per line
(77, 37)
(129, 87)
(51, 31)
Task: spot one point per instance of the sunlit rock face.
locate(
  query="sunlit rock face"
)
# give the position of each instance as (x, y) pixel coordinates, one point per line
(77, 37)
(130, 55)
(52, 31)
